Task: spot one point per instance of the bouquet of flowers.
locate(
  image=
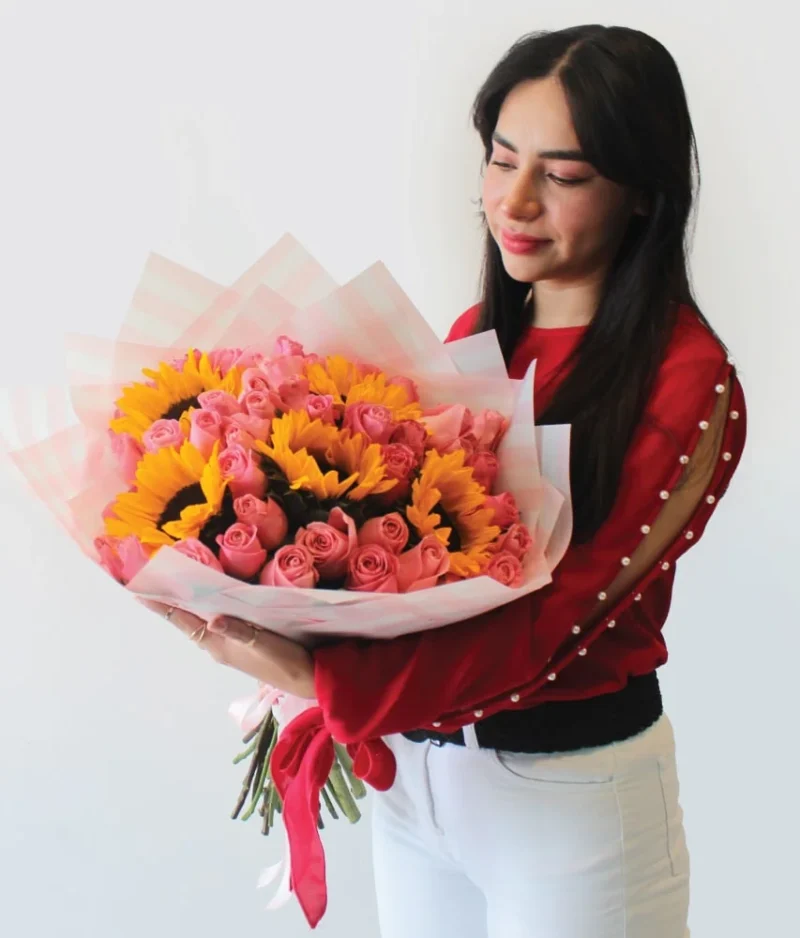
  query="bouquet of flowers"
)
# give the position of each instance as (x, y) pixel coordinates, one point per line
(309, 458)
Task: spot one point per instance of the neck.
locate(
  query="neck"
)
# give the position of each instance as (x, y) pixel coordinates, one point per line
(558, 305)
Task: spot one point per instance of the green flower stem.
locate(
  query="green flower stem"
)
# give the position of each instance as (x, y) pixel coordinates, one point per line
(343, 795)
(262, 777)
(243, 755)
(273, 805)
(264, 809)
(329, 804)
(358, 788)
(262, 741)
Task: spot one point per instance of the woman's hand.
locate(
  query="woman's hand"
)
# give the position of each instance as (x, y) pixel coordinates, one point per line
(268, 657)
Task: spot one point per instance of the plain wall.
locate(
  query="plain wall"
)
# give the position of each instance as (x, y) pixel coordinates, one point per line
(203, 132)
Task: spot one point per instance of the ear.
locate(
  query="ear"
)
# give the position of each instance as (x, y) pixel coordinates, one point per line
(642, 206)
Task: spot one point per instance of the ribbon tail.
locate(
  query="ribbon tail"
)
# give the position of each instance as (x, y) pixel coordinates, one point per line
(300, 769)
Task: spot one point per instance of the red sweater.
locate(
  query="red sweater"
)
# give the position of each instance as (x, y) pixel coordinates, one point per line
(532, 650)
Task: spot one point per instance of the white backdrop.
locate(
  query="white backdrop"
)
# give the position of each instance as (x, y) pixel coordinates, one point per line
(203, 132)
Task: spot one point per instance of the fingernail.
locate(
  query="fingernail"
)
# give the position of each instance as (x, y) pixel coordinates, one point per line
(219, 625)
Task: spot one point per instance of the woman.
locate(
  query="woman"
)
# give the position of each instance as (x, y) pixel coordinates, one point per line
(536, 791)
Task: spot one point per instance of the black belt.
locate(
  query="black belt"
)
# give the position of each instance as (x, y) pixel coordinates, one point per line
(564, 725)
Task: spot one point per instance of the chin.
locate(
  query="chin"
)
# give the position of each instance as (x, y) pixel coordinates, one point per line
(523, 269)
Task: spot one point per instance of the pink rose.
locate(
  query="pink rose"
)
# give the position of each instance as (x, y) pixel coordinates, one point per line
(413, 435)
(506, 569)
(254, 379)
(123, 557)
(372, 569)
(517, 541)
(292, 565)
(282, 369)
(484, 467)
(259, 404)
(488, 429)
(389, 531)
(373, 420)
(505, 509)
(421, 567)
(205, 431)
(128, 452)
(234, 435)
(267, 516)
(320, 407)
(220, 401)
(330, 544)
(410, 387)
(293, 392)
(401, 464)
(163, 433)
(107, 554)
(284, 346)
(196, 550)
(256, 427)
(223, 359)
(246, 478)
(450, 428)
(240, 551)
(251, 357)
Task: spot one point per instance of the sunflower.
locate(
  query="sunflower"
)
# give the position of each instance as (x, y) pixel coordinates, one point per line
(354, 454)
(446, 482)
(375, 389)
(347, 383)
(173, 391)
(312, 454)
(295, 430)
(335, 377)
(177, 492)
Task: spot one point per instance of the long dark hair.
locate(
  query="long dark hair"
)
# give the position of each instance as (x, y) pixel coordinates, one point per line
(630, 114)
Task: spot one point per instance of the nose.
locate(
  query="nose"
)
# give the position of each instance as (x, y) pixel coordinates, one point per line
(521, 201)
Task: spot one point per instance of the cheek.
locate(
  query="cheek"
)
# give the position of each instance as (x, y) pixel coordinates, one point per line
(493, 193)
(584, 217)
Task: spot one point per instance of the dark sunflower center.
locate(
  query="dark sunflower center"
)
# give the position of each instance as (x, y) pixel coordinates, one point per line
(177, 410)
(454, 544)
(193, 495)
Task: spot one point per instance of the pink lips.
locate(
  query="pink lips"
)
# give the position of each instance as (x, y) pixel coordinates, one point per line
(519, 244)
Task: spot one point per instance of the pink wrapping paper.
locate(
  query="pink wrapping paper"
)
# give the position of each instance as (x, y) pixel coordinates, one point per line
(57, 437)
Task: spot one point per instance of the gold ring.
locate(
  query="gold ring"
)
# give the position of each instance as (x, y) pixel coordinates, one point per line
(201, 631)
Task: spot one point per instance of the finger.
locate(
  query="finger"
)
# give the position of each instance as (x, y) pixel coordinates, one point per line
(235, 629)
(187, 622)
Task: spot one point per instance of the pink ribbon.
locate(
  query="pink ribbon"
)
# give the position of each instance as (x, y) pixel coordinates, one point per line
(300, 765)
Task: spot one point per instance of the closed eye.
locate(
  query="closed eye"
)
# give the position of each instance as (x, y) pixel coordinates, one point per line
(560, 180)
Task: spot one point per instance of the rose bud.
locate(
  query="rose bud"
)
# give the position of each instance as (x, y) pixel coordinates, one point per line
(245, 477)
(292, 565)
(240, 551)
(506, 569)
(267, 516)
(372, 569)
(389, 532)
(163, 433)
(505, 509)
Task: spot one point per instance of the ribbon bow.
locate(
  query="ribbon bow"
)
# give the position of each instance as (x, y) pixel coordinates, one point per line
(301, 763)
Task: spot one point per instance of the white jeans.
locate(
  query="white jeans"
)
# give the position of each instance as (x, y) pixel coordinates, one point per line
(473, 843)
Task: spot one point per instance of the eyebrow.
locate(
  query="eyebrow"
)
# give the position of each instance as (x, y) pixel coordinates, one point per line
(577, 155)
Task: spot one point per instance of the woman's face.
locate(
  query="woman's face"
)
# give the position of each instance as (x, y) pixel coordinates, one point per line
(532, 191)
